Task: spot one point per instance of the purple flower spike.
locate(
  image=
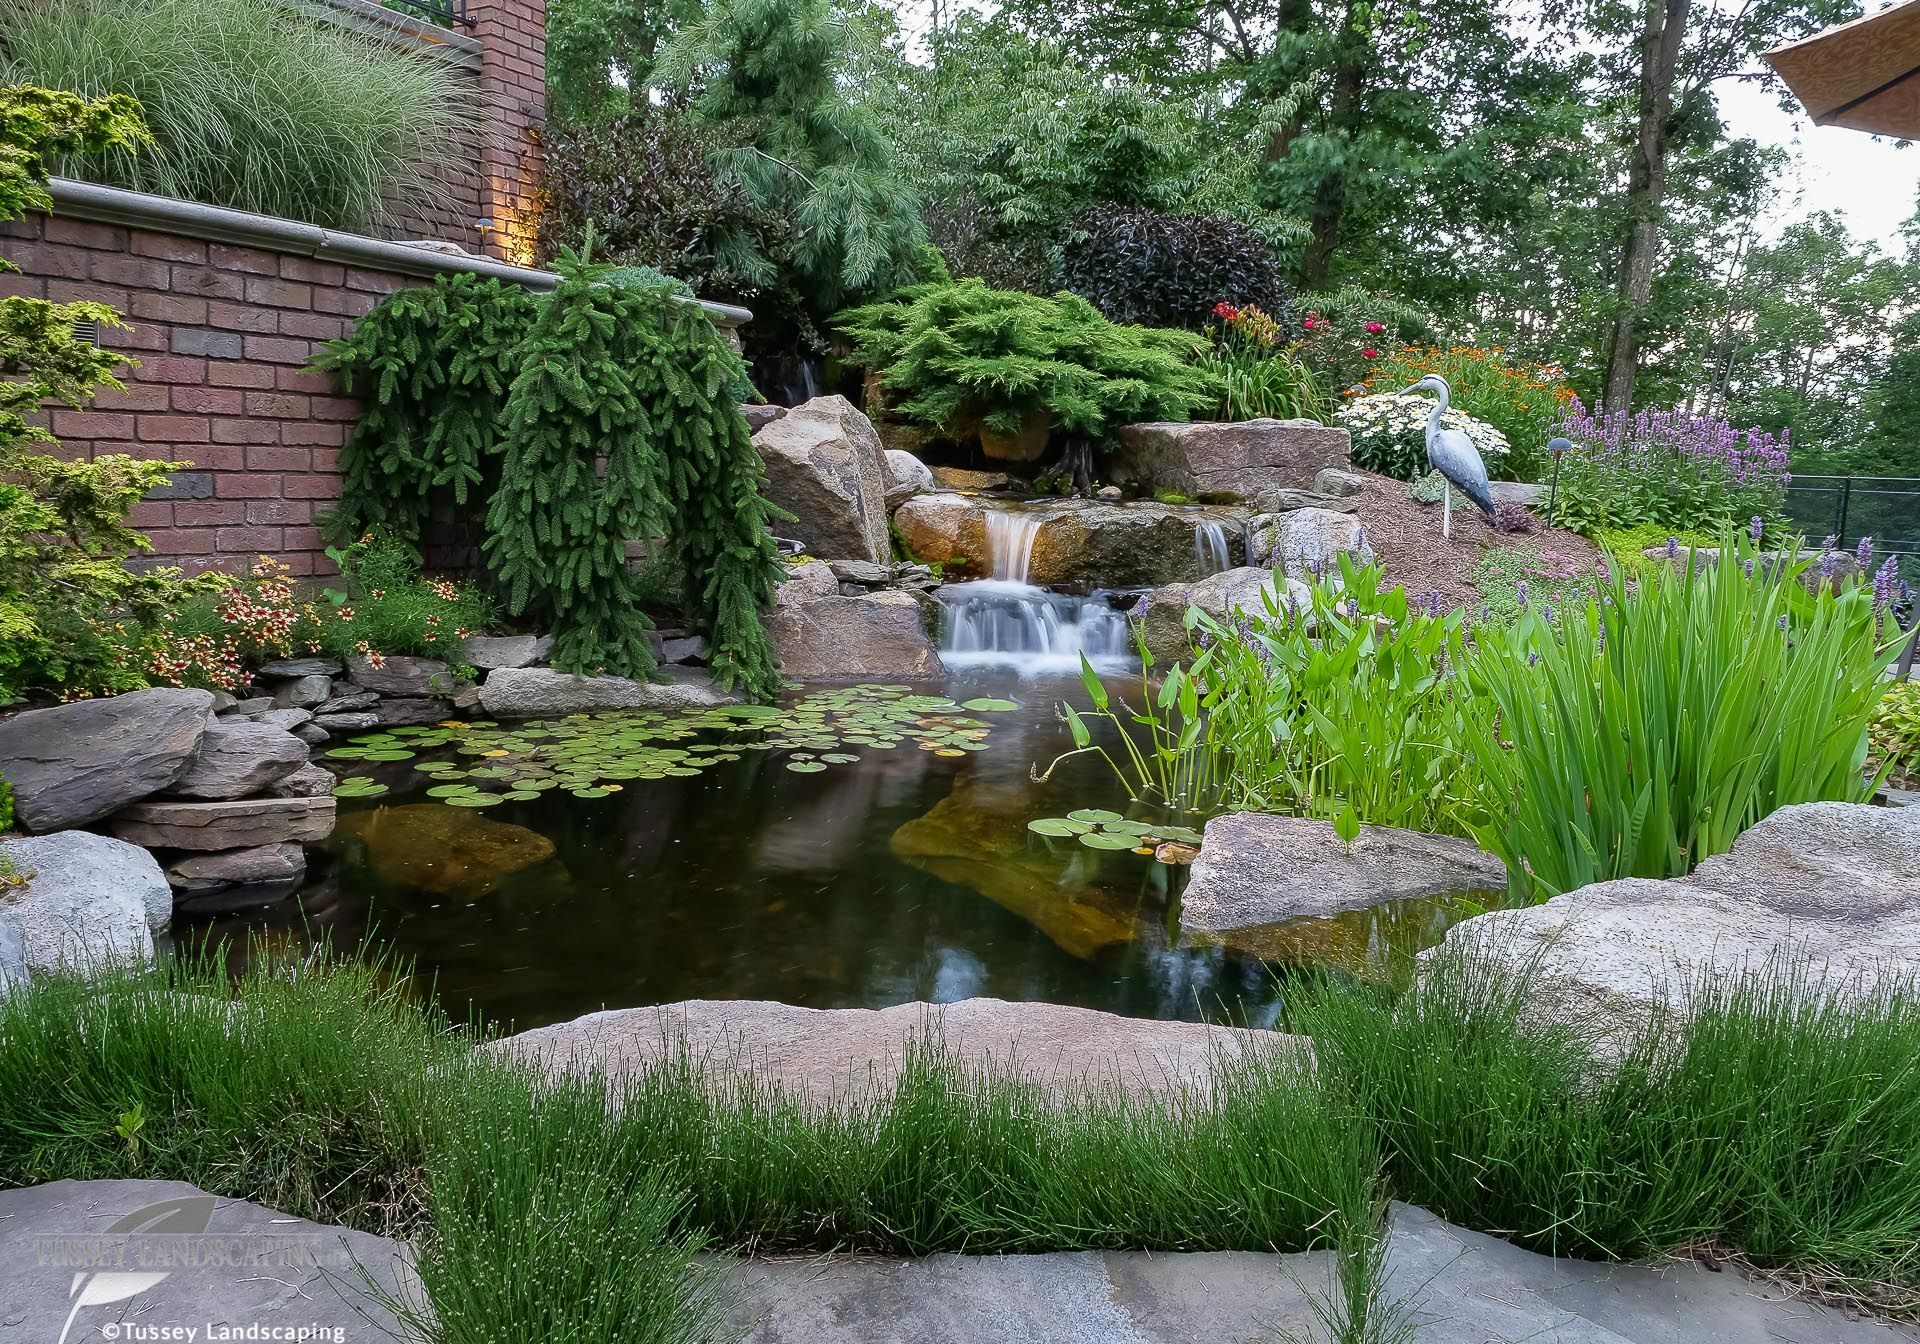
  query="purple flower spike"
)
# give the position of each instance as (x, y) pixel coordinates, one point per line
(1829, 543)
(1673, 548)
(1864, 552)
(1754, 528)
(1520, 592)
(1782, 622)
(1748, 567)
(1883, 581)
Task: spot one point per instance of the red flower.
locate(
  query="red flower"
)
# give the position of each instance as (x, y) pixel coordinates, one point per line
(1370, 354)
(1225, 310)
(1375, 328)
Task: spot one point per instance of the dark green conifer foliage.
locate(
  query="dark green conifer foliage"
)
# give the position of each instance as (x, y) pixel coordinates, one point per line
(593, 416)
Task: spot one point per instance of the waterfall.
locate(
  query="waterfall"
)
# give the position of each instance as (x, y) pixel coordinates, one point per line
(1007, 621)
(1210, 548)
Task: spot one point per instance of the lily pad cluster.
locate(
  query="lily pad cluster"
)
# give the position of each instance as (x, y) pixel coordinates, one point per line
(594, 755)
(1097, 828)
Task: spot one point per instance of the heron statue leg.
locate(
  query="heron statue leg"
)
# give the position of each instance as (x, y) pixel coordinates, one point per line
(1446, 511)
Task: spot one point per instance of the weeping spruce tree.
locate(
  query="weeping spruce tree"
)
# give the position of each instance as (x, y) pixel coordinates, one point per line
(593, 416)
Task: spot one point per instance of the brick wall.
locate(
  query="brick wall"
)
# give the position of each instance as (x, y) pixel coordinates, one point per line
(221, 333)
(513, 87)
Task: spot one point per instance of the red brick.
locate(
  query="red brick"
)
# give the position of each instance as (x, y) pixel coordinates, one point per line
(173, 369)
(169, 308)
(299, 380)
(312, 271)
(335, 408)
(209, 400)
(279, 459)
(349, 302)
(224, 374)
(209, 512)
(133, 272)
(246, 431)
(374, 282)
(250, 259)
(86, 291)
(247, 485)
(135, 396)
(81, 233)
(278, 405)
(45, 259)
(173, 541)
(142, 336)
(174, 428)
(211, 564)
(28, 226)
(318, 436)
(274, 512)
(234, 317)
(217, 457)
(326, 459)
(150, 513)
(278, 349)
(312, 487)
(92, 425)
(302, 539)
(168, 247)
(301, 564)
(248, 540)
(22, 287)
(313, 326)
(278, 293)
(210, 283)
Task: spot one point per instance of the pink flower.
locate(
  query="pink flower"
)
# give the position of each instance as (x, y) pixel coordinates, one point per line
(1375, 328)
(1370, 353)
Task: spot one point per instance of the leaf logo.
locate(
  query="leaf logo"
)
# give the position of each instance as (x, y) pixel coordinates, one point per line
(191, 1214)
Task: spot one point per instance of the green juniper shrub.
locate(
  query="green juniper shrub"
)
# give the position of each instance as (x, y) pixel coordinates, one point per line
(960, 360)
(1154, 269)
(253, 105)
(1639, 729)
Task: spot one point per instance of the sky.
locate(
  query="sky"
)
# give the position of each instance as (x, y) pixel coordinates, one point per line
(1871, 183)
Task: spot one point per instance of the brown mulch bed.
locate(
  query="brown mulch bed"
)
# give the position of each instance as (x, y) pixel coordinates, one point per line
(1406, 537)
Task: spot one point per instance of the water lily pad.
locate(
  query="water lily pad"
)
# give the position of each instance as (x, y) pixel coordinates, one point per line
(521, 796)
(589, 793)
(451, 791)
(988, 705)
(805, 767)
(1095, 816)
(1101, 840)
(1056, 826)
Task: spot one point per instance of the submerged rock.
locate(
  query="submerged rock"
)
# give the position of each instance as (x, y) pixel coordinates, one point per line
(89, 901)
(877, 635)
(541, 692)
(1827, 894)
(1227, 460)
(450, 851)
(76, 763)
(1256, 870)
(826, 466)
(282, 862)
(822, 1054)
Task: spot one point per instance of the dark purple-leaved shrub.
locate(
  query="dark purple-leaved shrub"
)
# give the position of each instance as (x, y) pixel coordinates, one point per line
(1159, 270)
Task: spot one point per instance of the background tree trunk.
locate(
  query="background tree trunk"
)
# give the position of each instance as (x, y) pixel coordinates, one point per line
(1660, 36)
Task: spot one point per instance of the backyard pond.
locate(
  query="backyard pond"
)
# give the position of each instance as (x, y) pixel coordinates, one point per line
(854, 847)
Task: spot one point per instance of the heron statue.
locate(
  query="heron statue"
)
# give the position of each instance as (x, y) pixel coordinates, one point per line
(1452, 454)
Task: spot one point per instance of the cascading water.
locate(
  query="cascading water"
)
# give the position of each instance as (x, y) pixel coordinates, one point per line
(1210, 548)
(1007, 621)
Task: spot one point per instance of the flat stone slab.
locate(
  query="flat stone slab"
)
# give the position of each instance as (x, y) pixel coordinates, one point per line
(829, 1053)
(537, 692)
(1452, 1286)
(240, 824)
(292, 1274)
(1256, 870)
(1831, 890)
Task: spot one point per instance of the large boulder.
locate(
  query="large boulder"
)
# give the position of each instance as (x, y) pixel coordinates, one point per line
(210, 827)
(76, 763)
(1255, 871)
(879, 635)
(820, 1054)
(541, 692)
(13, 954)
(1826, 895)
(487, 652)
(1227, 461)
(1163, 612)
(907, 476)
(88, 901)
(1073, 540)
(826, 466)
(1310, 542)
(240, 757)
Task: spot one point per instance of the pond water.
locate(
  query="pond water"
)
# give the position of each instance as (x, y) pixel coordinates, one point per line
(626, 860)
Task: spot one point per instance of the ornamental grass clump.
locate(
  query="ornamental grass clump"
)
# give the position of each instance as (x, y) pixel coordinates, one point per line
(1667, 469)
(253, 105)
(1389, 432)
(1638, 731)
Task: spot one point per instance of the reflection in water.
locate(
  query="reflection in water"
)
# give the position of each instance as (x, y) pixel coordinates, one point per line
(904, 876)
